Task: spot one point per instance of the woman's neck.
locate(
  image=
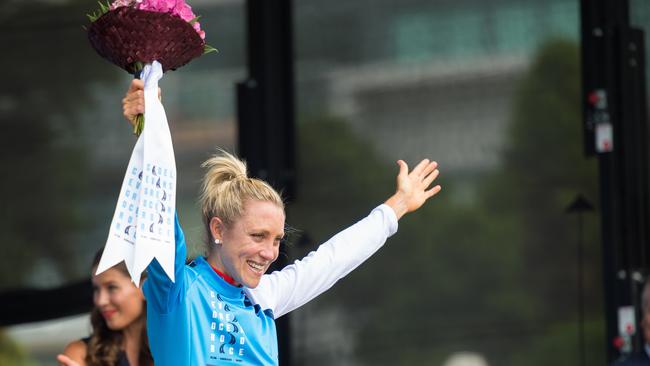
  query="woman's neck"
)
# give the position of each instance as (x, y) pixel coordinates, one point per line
(133, 340)
(215, 262)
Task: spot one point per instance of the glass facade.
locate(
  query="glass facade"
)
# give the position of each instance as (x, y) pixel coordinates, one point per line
(488, 270)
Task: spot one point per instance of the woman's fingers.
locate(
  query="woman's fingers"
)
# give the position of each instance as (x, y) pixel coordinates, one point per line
(65, 360)
(429, 168)
(430, 178)
(131, 110)
(403, 168)
(420, 167)
(133, 101)
(136, 84)
(433, 191)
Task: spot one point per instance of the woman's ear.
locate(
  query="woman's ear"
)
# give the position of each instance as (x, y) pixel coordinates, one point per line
(216, 228)
(140, 292)
(142, 284)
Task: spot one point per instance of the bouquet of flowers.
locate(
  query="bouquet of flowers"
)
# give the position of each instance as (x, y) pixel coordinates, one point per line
(132, 33)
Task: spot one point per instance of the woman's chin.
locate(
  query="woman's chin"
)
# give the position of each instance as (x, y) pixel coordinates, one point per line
(251, 282)
(114, 326)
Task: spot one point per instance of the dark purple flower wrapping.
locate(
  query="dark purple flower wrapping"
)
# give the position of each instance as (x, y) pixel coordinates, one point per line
(130, 38)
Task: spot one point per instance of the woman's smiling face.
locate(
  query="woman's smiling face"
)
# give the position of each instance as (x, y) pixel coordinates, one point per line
(251, 243)
(119, 301)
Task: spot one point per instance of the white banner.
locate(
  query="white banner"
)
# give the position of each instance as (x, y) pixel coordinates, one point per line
(143, 224)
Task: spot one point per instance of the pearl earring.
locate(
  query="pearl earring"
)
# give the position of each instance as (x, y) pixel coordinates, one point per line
(217, 241)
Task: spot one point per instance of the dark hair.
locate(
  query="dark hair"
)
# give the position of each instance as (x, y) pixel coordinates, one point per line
(105, 344)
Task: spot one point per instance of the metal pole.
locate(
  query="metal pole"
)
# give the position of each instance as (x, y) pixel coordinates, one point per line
(265, 108)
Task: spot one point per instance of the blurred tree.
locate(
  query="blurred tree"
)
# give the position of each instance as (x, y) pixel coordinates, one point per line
(499, 271)
(11, 354)
(48, 68)
(453, 260)
(543, 170)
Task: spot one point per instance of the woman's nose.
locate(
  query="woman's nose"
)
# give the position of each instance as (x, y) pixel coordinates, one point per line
(269, 253)
(101, 298)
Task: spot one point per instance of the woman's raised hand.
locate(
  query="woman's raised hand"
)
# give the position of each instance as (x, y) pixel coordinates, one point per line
(133, 102)
(413, 188)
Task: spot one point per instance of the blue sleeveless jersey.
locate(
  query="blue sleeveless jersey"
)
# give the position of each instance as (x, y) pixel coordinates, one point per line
(202, 320)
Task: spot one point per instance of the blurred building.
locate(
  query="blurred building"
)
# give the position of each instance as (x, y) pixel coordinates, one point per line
(489, 268)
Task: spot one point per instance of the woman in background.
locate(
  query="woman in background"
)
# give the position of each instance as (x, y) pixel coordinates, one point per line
(119, 336)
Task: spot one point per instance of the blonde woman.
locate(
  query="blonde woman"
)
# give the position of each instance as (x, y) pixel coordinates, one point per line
(222, 308)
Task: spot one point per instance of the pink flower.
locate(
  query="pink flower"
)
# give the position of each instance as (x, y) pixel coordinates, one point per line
(176, 7)
(184, 11)
(120, 3)
(146, 6)
(197, 28)
(169, 5)
(161, 6)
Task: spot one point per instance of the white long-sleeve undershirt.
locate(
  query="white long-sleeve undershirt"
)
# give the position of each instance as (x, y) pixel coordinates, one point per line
(285, 290)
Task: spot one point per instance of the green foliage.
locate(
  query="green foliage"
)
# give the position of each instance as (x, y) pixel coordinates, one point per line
(103, 9)
(441, 252)
(544, 169)
(207, 49)
(498, 273)
(561, 341)
(45, 161)
(10, 353)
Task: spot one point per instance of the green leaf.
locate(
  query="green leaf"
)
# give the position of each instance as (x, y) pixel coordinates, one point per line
(103, 7)
(93, 17)
(194, 20)
(207, 49)
(138, 126)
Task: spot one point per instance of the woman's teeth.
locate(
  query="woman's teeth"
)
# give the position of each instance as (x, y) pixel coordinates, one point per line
(255, 266)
